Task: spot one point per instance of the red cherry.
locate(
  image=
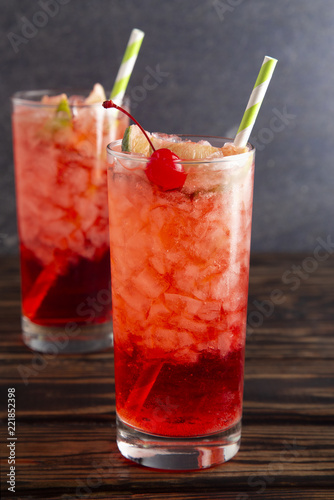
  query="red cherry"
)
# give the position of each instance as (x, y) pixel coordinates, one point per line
(164, 171)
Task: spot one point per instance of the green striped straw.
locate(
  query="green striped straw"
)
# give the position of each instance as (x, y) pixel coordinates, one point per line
(128, 62)
(255, 101)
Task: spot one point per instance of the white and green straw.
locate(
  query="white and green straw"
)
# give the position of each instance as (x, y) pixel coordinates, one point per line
(127, 65)
(255, 101)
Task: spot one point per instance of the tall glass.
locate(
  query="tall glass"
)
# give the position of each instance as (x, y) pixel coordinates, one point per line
(61, 188)
(180, 267)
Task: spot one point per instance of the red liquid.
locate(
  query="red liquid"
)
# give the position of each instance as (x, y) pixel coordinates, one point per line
(185, 399)
(81, 294)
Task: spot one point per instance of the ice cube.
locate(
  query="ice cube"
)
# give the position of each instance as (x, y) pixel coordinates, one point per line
(158, 311)
(192, 325)
(182, 304)
(210, 310)
(149, 283)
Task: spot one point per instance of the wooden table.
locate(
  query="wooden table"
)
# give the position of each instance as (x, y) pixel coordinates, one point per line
(65, 405)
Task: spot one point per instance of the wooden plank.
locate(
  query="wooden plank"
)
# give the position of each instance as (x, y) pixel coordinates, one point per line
(66, 406)
(266, 494)
(57, 455)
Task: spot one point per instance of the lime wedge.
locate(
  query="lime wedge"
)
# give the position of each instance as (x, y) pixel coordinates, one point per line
(199, 150)
(134, 141)
(192, 150)
(62, 117)
(63, 110)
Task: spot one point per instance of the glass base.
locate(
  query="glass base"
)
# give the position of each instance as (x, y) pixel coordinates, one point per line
(177, 453)
(57, 340)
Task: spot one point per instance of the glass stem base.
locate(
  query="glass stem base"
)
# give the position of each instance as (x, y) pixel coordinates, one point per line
(64, 340)
(191, 453)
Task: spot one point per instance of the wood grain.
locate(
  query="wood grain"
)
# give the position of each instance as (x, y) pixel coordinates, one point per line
(65, 405)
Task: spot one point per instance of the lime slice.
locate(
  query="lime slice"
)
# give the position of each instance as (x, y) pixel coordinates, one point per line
(192, 150)
(63, 110)
(134, 141)
(62, 117)
(200, 150)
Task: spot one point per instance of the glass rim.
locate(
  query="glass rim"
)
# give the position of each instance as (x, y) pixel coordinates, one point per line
(124, 155)
(29, 97)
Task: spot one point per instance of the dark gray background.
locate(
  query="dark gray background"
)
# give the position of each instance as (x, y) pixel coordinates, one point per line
(208, 53)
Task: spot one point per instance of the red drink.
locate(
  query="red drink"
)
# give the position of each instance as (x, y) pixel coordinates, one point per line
(180, 266)
(187, 399)
(61, 187)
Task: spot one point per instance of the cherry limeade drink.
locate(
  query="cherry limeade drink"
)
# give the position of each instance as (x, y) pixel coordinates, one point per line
(61, 184)
(180, 266)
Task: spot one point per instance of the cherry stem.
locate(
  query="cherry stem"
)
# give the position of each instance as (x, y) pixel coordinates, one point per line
(111, 104)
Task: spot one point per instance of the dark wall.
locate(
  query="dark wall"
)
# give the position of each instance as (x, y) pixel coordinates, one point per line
(206, 55)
